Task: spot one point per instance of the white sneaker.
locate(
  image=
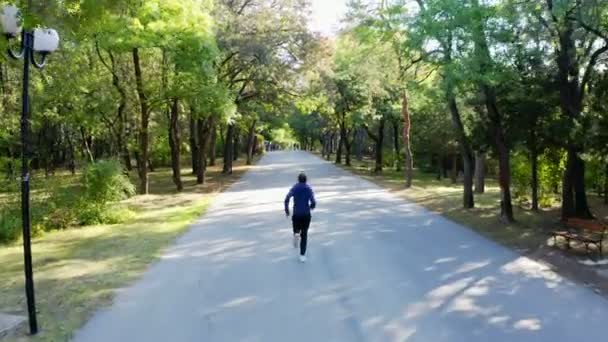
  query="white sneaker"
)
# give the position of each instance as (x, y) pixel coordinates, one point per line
(302, 258)
(295, 240)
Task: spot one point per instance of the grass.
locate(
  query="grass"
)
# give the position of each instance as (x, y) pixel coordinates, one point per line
(78, 270)
(526, 235)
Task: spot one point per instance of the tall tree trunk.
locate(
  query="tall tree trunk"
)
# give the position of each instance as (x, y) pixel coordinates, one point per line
(194, 144)
(207, 141)
(325, 145)
(175, 144)
(120, 131)
(71, 154)
(330, 145)
(212, 146)
(341, 143)
(468, 199)
(359, 142)
(606, 185)
(126, 156)
(480, 172)
(572, 92)
(381, 135)
(87, 141)
(379, 146)
(336, 142)
(203, 129)
(144, 123)
(228, 149)
(482, 53)
(237, 144)
(534, 161)
(396, 146)
(256, 145)
(348, 147)
(251, 143)
(409, 161)
(454, 173)
(504, 162)
(122, 119)
(378, 139)
(534, 181)
(322, 141)
(328, 142)
(439, 166)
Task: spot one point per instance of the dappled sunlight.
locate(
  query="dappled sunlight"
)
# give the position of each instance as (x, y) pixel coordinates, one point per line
(467, 267)
(397, 331)
(466, 304)
(76, 268)
(216, 251)
(436, 298)
(531, 324)
(498, 320)
(239, 302)
(528, 268)
(445, 260)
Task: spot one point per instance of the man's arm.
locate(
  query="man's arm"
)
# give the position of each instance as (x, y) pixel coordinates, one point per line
(313, 202)
(287, 199)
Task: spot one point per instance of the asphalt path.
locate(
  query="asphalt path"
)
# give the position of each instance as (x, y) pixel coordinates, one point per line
(379, 269)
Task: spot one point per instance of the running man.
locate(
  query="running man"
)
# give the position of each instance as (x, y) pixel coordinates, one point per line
(303, 203)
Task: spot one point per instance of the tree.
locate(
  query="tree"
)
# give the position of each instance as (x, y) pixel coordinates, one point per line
(573, 24)
(439, 21)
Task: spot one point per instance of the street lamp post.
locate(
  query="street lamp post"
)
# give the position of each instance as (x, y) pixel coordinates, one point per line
(42, 42)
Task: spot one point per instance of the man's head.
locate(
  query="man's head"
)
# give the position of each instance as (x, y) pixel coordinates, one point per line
(302, 177)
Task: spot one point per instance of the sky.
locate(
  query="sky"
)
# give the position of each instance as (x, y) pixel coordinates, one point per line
(326, 15)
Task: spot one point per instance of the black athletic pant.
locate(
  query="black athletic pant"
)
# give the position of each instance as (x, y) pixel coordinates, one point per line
(300, 226)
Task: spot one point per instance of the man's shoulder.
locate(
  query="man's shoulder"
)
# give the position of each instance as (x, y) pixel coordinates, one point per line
(301, 187)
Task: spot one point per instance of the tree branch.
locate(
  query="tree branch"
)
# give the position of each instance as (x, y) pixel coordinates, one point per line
(370, 133)
(591, 65)
(593, 30)
(103, 61)
(243, 6)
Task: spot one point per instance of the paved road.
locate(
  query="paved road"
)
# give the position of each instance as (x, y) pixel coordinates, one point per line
(379, 269)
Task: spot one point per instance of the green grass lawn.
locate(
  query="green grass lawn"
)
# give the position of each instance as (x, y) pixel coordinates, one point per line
(441, 196)
(77, 270)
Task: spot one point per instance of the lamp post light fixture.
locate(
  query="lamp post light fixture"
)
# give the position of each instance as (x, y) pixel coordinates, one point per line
(33, 42)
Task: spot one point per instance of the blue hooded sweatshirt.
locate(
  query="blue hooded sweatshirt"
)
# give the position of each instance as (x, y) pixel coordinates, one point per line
(303, 200)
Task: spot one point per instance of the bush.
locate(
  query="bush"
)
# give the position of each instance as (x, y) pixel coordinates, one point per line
(105, 182)
(10, 223)
(594, 174)
(550, 171)
(91, 202)
(521, 175)
(260, 144)
(551, 167)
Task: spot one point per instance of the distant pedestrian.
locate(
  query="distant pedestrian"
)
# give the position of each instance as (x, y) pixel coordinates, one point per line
(303, 203)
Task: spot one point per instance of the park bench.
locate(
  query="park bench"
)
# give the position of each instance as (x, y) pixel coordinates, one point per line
(588, 232)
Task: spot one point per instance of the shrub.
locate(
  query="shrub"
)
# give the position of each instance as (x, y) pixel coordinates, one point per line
(10, 223)
(546, 201)
(91, 202)
(521, 175)
(92, 214)
(594, 174)
(160, 151)
(104, 182)
(551, 166)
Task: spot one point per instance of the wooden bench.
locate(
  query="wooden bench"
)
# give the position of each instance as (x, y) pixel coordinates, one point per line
(588, 232)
